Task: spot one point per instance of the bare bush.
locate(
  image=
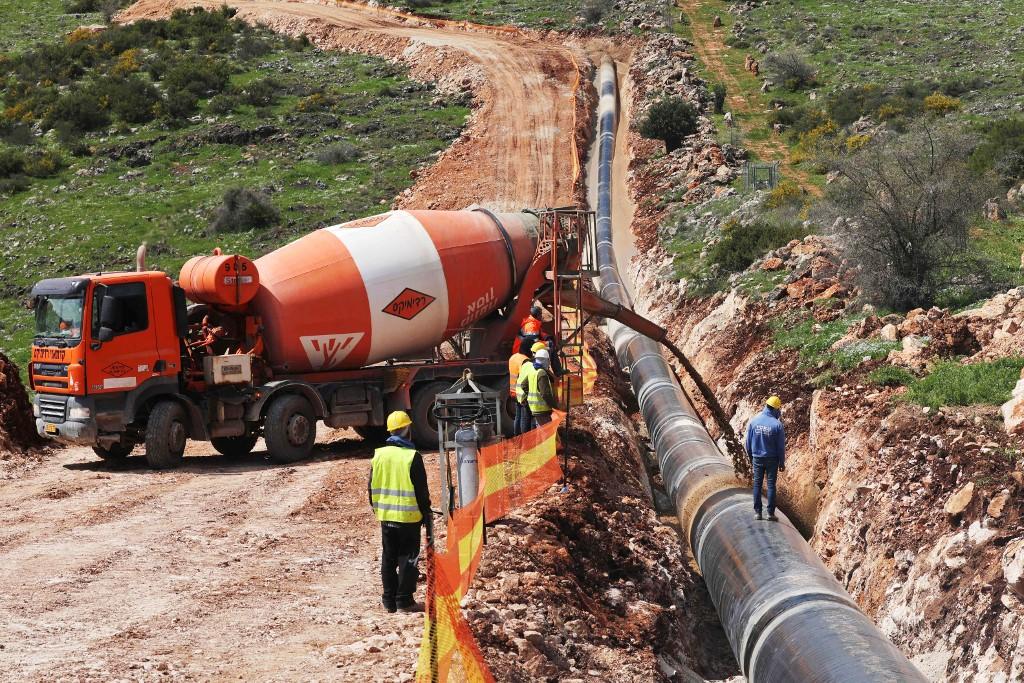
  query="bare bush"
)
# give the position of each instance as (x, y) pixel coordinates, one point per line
(338, 153)
(902, 208)
(790, 69)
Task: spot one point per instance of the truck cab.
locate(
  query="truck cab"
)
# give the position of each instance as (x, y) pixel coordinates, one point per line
(106, 346)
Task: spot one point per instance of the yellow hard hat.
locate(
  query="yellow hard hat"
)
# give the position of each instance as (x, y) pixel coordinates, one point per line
(397, 420)
(537, 346)
(774, 402)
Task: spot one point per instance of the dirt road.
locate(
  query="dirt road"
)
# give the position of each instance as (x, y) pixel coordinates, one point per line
(519, 148)
(219, 570)
(241, 569)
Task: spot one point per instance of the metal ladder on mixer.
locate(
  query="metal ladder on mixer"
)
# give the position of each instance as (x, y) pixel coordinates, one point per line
(570, 235)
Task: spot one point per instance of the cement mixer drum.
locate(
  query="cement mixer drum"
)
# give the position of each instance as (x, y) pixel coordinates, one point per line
(388, 286)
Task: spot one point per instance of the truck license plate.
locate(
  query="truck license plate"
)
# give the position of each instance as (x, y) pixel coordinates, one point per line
(51, 429)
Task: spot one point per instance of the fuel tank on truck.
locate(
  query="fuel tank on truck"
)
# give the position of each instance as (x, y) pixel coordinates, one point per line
(388, 286)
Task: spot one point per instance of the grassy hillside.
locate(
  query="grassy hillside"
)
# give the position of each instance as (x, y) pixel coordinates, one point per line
(320, 137)
(27, 23)
(976, 44)
(856, 74)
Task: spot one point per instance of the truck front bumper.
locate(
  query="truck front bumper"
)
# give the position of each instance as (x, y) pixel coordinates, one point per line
(68, 419)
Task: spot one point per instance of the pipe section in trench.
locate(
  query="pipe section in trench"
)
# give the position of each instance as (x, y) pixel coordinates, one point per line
(785, 615)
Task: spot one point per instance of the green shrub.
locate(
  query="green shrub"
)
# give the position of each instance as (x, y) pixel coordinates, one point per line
(800, 119)
(1001, 150)
(181, 103)
(952, 383)
(262, 92)
(849, 104)
(891, 376)
(80, 111)
(108, 8)
(250, 47)
(12, 162)
(133, 100)
(45, 164)
(222, 104)
(338, 153)
(670, 119)
(14, 184)
(244, 209)
(742, 244)
(718, 93)
(201, 76)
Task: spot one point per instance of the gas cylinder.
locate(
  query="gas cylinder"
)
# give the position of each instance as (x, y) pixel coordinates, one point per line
(388, 286)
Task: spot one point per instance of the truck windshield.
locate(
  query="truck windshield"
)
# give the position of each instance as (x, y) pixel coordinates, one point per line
(59, 317)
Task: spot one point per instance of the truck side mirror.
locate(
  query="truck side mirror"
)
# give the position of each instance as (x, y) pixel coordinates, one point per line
(105, 334)
(111, 316)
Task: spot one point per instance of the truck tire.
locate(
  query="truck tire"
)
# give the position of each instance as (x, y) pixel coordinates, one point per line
(289, 428)
(166, 434)
(424, 425)
(234, 446)
(116, 451)
(508, 416)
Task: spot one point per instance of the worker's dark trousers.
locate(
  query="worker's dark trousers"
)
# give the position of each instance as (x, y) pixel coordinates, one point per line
(541, 419)
(524, 419)
(398, 568)
(765, 468)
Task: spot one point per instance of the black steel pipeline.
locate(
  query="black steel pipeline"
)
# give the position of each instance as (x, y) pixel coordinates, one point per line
(785, 615)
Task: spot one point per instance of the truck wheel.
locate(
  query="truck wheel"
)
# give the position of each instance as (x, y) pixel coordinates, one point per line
(234, 446)
(166, 434)
(289, 428)
(424, 425)
(508, 416)
(116, 451)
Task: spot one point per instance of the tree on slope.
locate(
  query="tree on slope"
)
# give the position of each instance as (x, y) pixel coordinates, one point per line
(905, 205)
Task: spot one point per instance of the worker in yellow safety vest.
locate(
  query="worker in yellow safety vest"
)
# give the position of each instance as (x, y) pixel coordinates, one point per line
(401, 501)
(517, 383)
(540, 395)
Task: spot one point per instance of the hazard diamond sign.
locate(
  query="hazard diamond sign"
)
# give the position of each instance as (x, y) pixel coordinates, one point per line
(408, 304)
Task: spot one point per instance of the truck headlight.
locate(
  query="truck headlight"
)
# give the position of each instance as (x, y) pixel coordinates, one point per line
(77, 411)
(35, 408)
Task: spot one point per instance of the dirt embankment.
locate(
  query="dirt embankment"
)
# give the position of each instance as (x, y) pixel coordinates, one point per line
(529, 95)
(17, 426)
(919, 513)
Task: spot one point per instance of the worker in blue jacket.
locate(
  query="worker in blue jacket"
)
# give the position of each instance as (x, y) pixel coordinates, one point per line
(766, 445)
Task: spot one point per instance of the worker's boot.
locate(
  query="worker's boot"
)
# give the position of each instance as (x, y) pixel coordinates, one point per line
(772, 517)
(757, 516)
(412, 607)
(389, 606)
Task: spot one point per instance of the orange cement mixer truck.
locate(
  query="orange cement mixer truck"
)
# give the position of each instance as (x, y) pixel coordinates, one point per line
(342, 326)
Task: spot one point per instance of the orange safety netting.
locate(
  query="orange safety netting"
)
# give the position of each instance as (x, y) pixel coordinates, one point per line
(517, 470)
(511, 473)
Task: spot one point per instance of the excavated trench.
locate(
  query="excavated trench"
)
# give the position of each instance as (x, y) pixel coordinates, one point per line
(785, 615)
